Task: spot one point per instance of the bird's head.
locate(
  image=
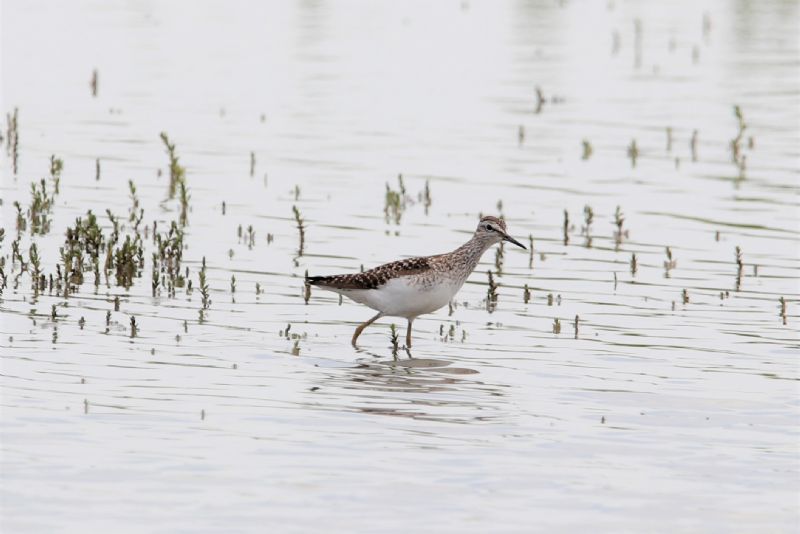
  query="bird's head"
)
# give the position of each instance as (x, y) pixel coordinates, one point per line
(492, 230)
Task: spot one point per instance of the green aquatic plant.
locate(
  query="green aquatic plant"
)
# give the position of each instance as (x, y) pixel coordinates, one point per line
(251, 237)
(556, 326)
(426, 196)
(11, 119)
(88, 234)
(587, 149)
(782, 312)
(619, 220)
(15, 254)
(530, 251)
(184, 198)
(22, 222)
(736, 142)
(39, 211)
(394, 337)
(670, 263)
(12, 138)
(393, 206)
(36, 268)
(491, 293)
(588, 219)
(169, 255)
(93, 83)
(540, 100)
(499, 258)
(73, 270)
(115, 227)
(633, 152)
(177, 173)
(742, 165)
(739, 268)
(204, 290)
(132, 214)
(301, 228)
(128, 261)
(155, 275)
(82, 247)
(56, 166)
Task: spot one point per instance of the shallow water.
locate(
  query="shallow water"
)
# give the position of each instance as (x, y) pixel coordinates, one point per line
(661, 415)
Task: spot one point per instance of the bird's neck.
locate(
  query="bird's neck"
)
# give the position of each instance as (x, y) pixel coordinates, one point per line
(470, 252)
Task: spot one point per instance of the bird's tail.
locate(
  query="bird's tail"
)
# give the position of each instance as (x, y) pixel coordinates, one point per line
(318, 280)
(336, 282)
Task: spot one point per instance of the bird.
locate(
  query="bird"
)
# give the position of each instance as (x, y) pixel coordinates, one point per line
(412, 287)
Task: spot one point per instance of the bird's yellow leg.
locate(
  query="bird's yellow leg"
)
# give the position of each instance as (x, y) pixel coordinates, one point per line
(362, 326)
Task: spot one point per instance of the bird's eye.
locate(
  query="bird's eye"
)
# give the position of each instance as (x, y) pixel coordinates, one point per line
(490, 227)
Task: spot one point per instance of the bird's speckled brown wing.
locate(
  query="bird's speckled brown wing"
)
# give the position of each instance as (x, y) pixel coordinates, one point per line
(374, 278)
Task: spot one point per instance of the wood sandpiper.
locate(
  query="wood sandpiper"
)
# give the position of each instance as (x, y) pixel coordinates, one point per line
(416, 286)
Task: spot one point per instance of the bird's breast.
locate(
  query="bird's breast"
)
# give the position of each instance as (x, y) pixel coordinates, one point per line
(410, 296)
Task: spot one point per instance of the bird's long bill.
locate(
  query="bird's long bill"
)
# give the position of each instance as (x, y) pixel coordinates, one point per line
(507, 237)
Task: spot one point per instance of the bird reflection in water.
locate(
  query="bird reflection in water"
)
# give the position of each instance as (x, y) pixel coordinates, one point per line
(421, 388)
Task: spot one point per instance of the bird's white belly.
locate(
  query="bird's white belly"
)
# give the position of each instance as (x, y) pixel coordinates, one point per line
(401, 297)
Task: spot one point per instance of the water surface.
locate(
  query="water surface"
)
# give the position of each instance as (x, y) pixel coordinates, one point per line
(674, 409)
